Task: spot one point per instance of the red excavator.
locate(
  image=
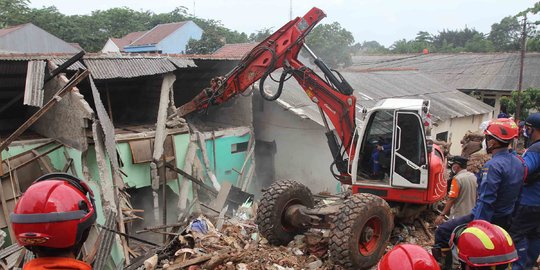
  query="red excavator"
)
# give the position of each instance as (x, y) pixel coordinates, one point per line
(393, 168)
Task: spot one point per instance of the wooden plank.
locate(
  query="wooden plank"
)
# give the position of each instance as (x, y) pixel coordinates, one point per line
(69, 164)
(193, 179)
(36, 157)
(191, 262)
(64, 66)
(221, 198)
(76, 79)
(6, 211)
(42, 161)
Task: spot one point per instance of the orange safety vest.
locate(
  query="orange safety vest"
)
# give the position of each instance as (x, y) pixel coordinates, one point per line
(56, 263)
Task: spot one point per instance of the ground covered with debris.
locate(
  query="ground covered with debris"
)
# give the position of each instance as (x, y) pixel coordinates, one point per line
(235, 243)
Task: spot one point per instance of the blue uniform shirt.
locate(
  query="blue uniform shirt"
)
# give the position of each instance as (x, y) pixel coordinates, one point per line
(531, 193)
(502, 177)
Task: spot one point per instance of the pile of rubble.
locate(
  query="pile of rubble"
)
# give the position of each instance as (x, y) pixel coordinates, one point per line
(235, 243)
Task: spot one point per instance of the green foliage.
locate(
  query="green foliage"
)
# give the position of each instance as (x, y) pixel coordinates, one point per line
(506, 34)
(369, 47)
(261, 35)
(12, 12)
(332, 43)
(530, 100)
(215, 35)
(210, 41)
(478, 43)
(455, 40)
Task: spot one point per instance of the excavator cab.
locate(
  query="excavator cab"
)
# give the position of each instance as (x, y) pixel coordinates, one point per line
(394, 155)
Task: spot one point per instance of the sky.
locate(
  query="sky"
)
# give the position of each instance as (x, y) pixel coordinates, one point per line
(385, 21)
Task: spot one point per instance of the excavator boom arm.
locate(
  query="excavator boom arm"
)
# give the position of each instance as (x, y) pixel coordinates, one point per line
(333, 95)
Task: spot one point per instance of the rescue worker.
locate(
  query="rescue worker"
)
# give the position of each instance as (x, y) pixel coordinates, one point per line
(525, 229)
(462, 195)
(52, 219)
(481, 245)
(499, 188)
(408, 257)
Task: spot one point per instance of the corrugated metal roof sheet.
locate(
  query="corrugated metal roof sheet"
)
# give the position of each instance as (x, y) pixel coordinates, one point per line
(33, 90)
(114, 66)
(128, 67)
(371, 87)
(465, 71)
(10, 29)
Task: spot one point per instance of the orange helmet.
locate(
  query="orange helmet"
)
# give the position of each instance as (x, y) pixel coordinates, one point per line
(56, 211)
(408, 257)
(481, 244)
(502, 129)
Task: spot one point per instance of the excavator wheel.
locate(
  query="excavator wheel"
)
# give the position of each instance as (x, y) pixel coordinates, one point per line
(361, 231)
(274, 203)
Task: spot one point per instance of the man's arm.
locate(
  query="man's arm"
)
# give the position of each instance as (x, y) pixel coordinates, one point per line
(532, 161)
(450, 201)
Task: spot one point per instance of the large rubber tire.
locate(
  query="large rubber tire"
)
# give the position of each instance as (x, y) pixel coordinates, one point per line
(361, 231)
(273, 205)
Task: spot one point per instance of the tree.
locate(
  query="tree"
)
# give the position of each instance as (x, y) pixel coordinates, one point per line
(332, 44)
(455, 40)
(506, 34)
(210, 41)
(215, 35)
(12, 12)
(260, 35)
(479, 44)
(369, 47)
(530, 100)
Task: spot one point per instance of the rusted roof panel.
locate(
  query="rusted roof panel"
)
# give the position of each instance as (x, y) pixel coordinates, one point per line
(234, 51)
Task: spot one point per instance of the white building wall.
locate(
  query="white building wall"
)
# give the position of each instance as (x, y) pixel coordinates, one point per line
(302, 153)
(110, 47)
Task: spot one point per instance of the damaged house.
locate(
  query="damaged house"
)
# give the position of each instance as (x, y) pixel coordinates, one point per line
(111, 121)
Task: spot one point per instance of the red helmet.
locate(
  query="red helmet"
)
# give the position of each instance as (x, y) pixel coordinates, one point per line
(408, 257)
(502, 129)
(54, 212)
(481, 244)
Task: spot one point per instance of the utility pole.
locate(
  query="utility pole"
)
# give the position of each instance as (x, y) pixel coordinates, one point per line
(522, 57)
(290, 10)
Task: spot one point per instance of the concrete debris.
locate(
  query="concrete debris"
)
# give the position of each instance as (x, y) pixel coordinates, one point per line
(150, 264)
(237, 244)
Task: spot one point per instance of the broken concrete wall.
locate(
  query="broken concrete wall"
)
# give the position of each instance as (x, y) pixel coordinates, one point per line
(301, 153)
(67, 120)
